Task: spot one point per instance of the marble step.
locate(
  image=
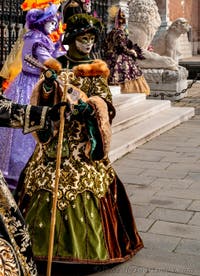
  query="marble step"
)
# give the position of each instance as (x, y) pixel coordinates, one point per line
(124, 101)
(128, 115)
(139, 133)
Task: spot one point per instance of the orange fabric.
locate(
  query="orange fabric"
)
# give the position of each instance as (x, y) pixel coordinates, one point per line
(37, 4)
(122, 238)
(135, 86)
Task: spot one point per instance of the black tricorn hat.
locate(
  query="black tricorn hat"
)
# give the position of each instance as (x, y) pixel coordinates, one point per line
(79, 24)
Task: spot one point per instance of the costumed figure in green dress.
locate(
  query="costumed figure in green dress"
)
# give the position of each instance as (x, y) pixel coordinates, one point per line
(94, 221)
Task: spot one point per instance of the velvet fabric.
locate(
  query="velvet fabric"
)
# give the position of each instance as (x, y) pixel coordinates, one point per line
(94, 221)
(88, 231)
(122, 238)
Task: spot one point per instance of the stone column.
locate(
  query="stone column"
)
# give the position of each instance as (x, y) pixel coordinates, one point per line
(164, 14)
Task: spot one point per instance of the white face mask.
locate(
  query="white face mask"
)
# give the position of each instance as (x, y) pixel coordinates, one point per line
(50, 26)
(87, 7)
(84, 43)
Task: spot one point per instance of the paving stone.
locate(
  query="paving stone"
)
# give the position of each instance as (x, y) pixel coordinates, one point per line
(144, 224)
(171, 183)
(170, 215)
(165, 173)
(164, 202)
(141, 197)
(137, 179)
(161, 273)
(144, 164)
(195, 206)
(159, 261)
(140, 154)
(176, 230)
(195, 219)
(193, 176)
(180, 158)
(158, 145)
(142, 211)
(186, 166)
(122, 270)
(177, 193)
(121, 171)
(156, 241)
(188, 149)
(194, 186)
(187, 246)
(157, 184)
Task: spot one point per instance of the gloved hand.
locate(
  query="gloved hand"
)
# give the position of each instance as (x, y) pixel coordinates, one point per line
(93, 142)
(54, 112)
(84, 109)
(50, 76)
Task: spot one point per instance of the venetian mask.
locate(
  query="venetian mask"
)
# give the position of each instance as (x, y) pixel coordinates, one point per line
(50, 26)
(87, 6)
(84, 43)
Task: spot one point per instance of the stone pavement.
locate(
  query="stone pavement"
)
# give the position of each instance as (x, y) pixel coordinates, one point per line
(162, 178)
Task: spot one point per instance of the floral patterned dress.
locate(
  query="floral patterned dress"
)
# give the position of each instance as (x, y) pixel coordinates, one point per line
(122, 62)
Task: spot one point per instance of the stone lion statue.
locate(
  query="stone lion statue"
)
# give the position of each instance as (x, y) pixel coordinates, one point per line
(144, 21)
(167, 43)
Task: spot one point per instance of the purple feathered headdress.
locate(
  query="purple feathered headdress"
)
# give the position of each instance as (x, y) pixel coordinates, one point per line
(38, 17)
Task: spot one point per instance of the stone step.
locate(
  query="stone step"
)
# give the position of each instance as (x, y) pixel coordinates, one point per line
(136, 113)
(124, 101)
(139, 133)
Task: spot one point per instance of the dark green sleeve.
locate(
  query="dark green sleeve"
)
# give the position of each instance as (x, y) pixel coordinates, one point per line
(29, 118)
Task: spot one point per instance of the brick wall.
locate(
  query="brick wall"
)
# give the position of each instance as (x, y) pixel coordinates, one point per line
(188, 9)
(180, 8)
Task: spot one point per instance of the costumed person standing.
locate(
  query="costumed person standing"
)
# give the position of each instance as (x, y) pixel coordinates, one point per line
(15, 149)
(94, 221)
(121, 56)
(15, 246)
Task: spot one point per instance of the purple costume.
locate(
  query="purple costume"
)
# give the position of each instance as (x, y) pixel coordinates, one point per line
(15, 148)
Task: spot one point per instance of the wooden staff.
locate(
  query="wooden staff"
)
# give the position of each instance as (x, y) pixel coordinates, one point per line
(65, 77)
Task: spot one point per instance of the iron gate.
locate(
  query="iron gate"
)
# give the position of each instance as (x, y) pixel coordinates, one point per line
(11, 21)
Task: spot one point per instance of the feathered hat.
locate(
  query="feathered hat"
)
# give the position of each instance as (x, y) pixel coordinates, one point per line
(70, 8)
(79, 24)
(37, 17)
(116, 15)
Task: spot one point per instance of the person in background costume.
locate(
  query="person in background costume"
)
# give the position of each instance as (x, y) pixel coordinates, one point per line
(15, 148)
(94, 221)
(121, 56)
(70, 8)
(15, 246)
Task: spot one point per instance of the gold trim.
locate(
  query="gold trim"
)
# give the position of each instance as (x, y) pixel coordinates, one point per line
(27, 127)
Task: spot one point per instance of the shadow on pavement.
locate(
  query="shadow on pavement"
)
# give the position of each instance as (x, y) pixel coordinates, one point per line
(60, 269)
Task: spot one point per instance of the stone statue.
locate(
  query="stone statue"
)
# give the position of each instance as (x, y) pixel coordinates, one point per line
(144, 21)
(166, 44)
(161, 69)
